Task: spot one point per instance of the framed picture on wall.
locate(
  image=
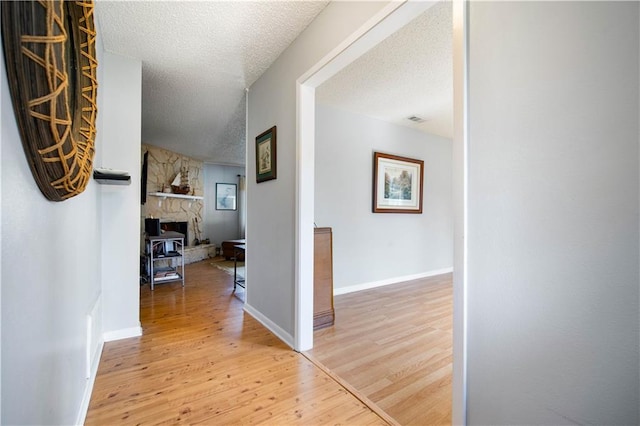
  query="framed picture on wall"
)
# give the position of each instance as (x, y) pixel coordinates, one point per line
(397, 184)
(266, 165)
(226, 196)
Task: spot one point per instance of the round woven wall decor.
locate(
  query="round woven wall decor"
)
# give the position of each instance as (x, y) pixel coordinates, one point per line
(49, 51)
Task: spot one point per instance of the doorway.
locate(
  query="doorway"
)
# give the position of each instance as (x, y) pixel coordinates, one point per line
(386, 22)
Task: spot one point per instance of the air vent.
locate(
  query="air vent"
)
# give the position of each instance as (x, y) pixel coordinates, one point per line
(416, 119)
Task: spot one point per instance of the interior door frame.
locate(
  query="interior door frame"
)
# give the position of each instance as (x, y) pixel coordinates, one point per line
(388, 20)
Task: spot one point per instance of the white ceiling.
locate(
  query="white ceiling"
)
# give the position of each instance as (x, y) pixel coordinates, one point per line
(408, 74)
(197, 59)
(199, 56)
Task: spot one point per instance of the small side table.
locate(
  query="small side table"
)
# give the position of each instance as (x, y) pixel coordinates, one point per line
(228, 248)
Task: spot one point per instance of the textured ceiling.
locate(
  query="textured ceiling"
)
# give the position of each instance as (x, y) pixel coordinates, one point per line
(199, 56)
(197, 59)
(408, 74)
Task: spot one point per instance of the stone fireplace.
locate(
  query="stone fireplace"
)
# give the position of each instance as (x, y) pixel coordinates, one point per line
(176, 213)
(162, 168)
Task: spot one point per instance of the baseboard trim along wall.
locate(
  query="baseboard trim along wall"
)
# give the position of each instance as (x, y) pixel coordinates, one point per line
(271, 326)
(88, 390)
(366, 286)
(124, 333)
(108, 336)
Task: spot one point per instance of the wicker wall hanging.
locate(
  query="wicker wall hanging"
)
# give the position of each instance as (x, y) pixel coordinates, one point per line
(49, 50)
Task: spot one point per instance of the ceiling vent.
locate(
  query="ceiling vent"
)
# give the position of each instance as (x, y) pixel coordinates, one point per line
(416, 119)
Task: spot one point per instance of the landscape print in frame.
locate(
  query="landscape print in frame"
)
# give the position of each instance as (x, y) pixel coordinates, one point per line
(397, 184)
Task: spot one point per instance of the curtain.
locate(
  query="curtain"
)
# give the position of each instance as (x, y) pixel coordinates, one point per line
(242, 205)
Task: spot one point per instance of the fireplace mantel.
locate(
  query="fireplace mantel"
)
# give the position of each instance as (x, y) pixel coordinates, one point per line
(172, 195)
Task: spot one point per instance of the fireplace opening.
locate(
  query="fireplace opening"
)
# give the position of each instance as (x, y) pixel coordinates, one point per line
(181, 227)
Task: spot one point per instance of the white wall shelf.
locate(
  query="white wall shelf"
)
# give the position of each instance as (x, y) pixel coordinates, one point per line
(172, 195)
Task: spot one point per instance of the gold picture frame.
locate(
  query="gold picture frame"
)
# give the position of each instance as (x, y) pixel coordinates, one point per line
(397, 184)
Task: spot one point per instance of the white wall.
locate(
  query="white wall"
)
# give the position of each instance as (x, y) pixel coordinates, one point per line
(120, 235)
(271, 204)
(2, 106)
(50, 280)
(52, 258)
(220, 225)
(553, 213)
(370, 247)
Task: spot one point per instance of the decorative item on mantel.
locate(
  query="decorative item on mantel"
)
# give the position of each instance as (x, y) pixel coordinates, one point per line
(180, 184)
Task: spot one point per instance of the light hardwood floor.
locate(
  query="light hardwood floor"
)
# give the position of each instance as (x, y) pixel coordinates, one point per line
(201, 359)
(394, 344)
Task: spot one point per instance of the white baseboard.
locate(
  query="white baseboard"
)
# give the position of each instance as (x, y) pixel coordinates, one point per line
(366, 286)
(95, 363)
(271, 326)
(124, 333)
(88, 390)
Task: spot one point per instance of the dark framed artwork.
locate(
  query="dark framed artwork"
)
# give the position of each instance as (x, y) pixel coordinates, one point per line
(266, 165)
(397, 184)
(226, 196)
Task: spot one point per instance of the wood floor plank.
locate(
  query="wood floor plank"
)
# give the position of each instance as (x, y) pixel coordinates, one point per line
(203, 360)
(394, 345)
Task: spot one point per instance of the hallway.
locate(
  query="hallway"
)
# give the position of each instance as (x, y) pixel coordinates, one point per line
(201, 359)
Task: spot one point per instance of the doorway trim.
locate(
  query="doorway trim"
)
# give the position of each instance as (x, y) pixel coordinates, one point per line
(388, 20)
